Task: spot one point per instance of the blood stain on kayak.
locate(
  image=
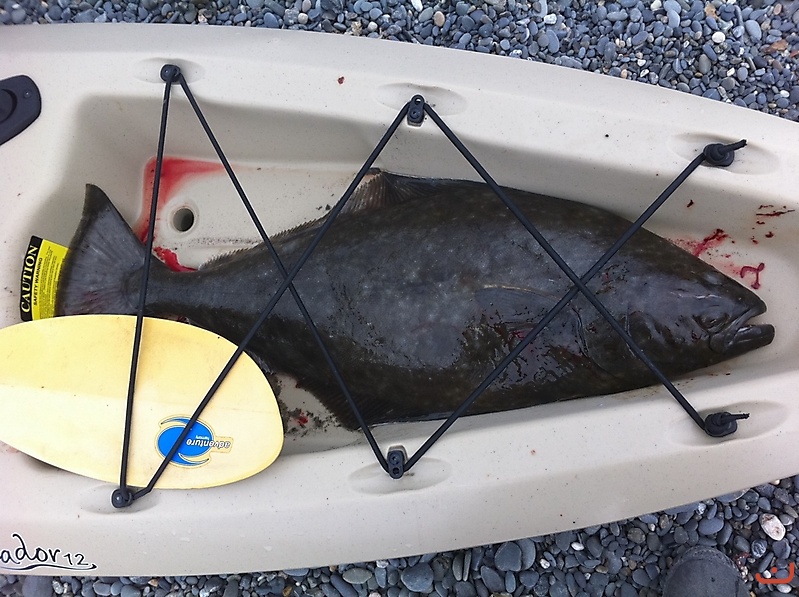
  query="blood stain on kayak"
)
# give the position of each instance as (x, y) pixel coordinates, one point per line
(697, 247)
(174, 173)
(170, 259)
(708, 249)
(756, 271)
(774, 212)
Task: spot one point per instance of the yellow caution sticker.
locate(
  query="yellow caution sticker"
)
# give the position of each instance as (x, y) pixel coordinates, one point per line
(41, 270)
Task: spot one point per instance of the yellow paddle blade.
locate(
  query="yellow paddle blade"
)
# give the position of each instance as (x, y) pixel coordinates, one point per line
(63, 390)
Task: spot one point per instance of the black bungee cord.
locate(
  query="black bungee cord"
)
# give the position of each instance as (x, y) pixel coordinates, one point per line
(396, 462)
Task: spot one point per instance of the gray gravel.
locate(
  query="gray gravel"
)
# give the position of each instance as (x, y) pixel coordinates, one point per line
(743, 53)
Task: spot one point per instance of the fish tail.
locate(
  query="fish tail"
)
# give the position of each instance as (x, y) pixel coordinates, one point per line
(103, 265)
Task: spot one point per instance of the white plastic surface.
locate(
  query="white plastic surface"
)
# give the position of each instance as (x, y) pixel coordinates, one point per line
(297, 114)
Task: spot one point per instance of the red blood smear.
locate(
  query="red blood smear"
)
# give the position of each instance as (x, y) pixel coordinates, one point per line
(755, 270)
(775, 213)
(302, 420)
(697, 247)
(170, 259)
(174, 173)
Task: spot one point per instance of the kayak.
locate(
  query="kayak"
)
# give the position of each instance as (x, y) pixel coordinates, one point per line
(297, 115)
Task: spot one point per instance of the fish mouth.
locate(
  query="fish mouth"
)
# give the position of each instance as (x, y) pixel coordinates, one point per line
(741, 336)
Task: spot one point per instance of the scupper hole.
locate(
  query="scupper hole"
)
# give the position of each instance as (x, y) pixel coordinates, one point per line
(183, 219)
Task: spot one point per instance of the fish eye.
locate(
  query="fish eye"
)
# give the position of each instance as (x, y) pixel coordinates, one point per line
(714, 278)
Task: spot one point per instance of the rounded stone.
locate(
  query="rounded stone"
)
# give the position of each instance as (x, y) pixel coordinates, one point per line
(553, 41)
(703, 65)
(758, 548)
(271, 21)
(636, 535)
(740, 544)
(418, 578)
(508, 557)
(341, 586)
(728, 84)
(426, 14)
(18, 15)
(641, 577)
(753, 30)
(356, 576)
(528, 553)
(465, 589)
(492, 580)
(529, 578)
(781, 549)
(710, 526)
(130, 591)
(673, 19)
(771, 525)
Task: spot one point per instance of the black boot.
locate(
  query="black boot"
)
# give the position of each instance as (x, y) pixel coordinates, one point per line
(704, 572)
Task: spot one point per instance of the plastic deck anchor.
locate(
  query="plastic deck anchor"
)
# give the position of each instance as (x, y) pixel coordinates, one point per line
(719, 154)
(416, 111)
(20, 105)
(723, 423)
(122, 498)
(397, 458)
(170, 73)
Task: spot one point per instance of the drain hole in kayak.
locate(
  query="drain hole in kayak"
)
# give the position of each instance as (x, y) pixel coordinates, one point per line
(183, 219)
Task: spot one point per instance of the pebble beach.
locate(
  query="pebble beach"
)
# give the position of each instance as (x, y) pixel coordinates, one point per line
(739, 52)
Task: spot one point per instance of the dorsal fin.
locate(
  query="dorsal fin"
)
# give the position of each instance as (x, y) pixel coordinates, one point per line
(223, 258)
(369, 195)
(377, 190)
(401, 189)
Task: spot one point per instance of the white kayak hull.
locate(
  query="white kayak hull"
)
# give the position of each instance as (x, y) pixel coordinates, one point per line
(297, 114)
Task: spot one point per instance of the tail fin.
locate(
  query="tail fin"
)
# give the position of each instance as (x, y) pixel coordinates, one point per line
(102, 257)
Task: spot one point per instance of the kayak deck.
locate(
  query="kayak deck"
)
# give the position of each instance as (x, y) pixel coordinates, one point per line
(295, 134)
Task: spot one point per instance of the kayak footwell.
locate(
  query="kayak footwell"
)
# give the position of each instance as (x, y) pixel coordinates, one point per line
(295, 142)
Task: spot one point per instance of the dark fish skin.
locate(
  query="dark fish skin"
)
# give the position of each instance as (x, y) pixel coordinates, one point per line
(423, 286)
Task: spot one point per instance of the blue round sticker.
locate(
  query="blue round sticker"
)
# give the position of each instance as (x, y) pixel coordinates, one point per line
(193, 450)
